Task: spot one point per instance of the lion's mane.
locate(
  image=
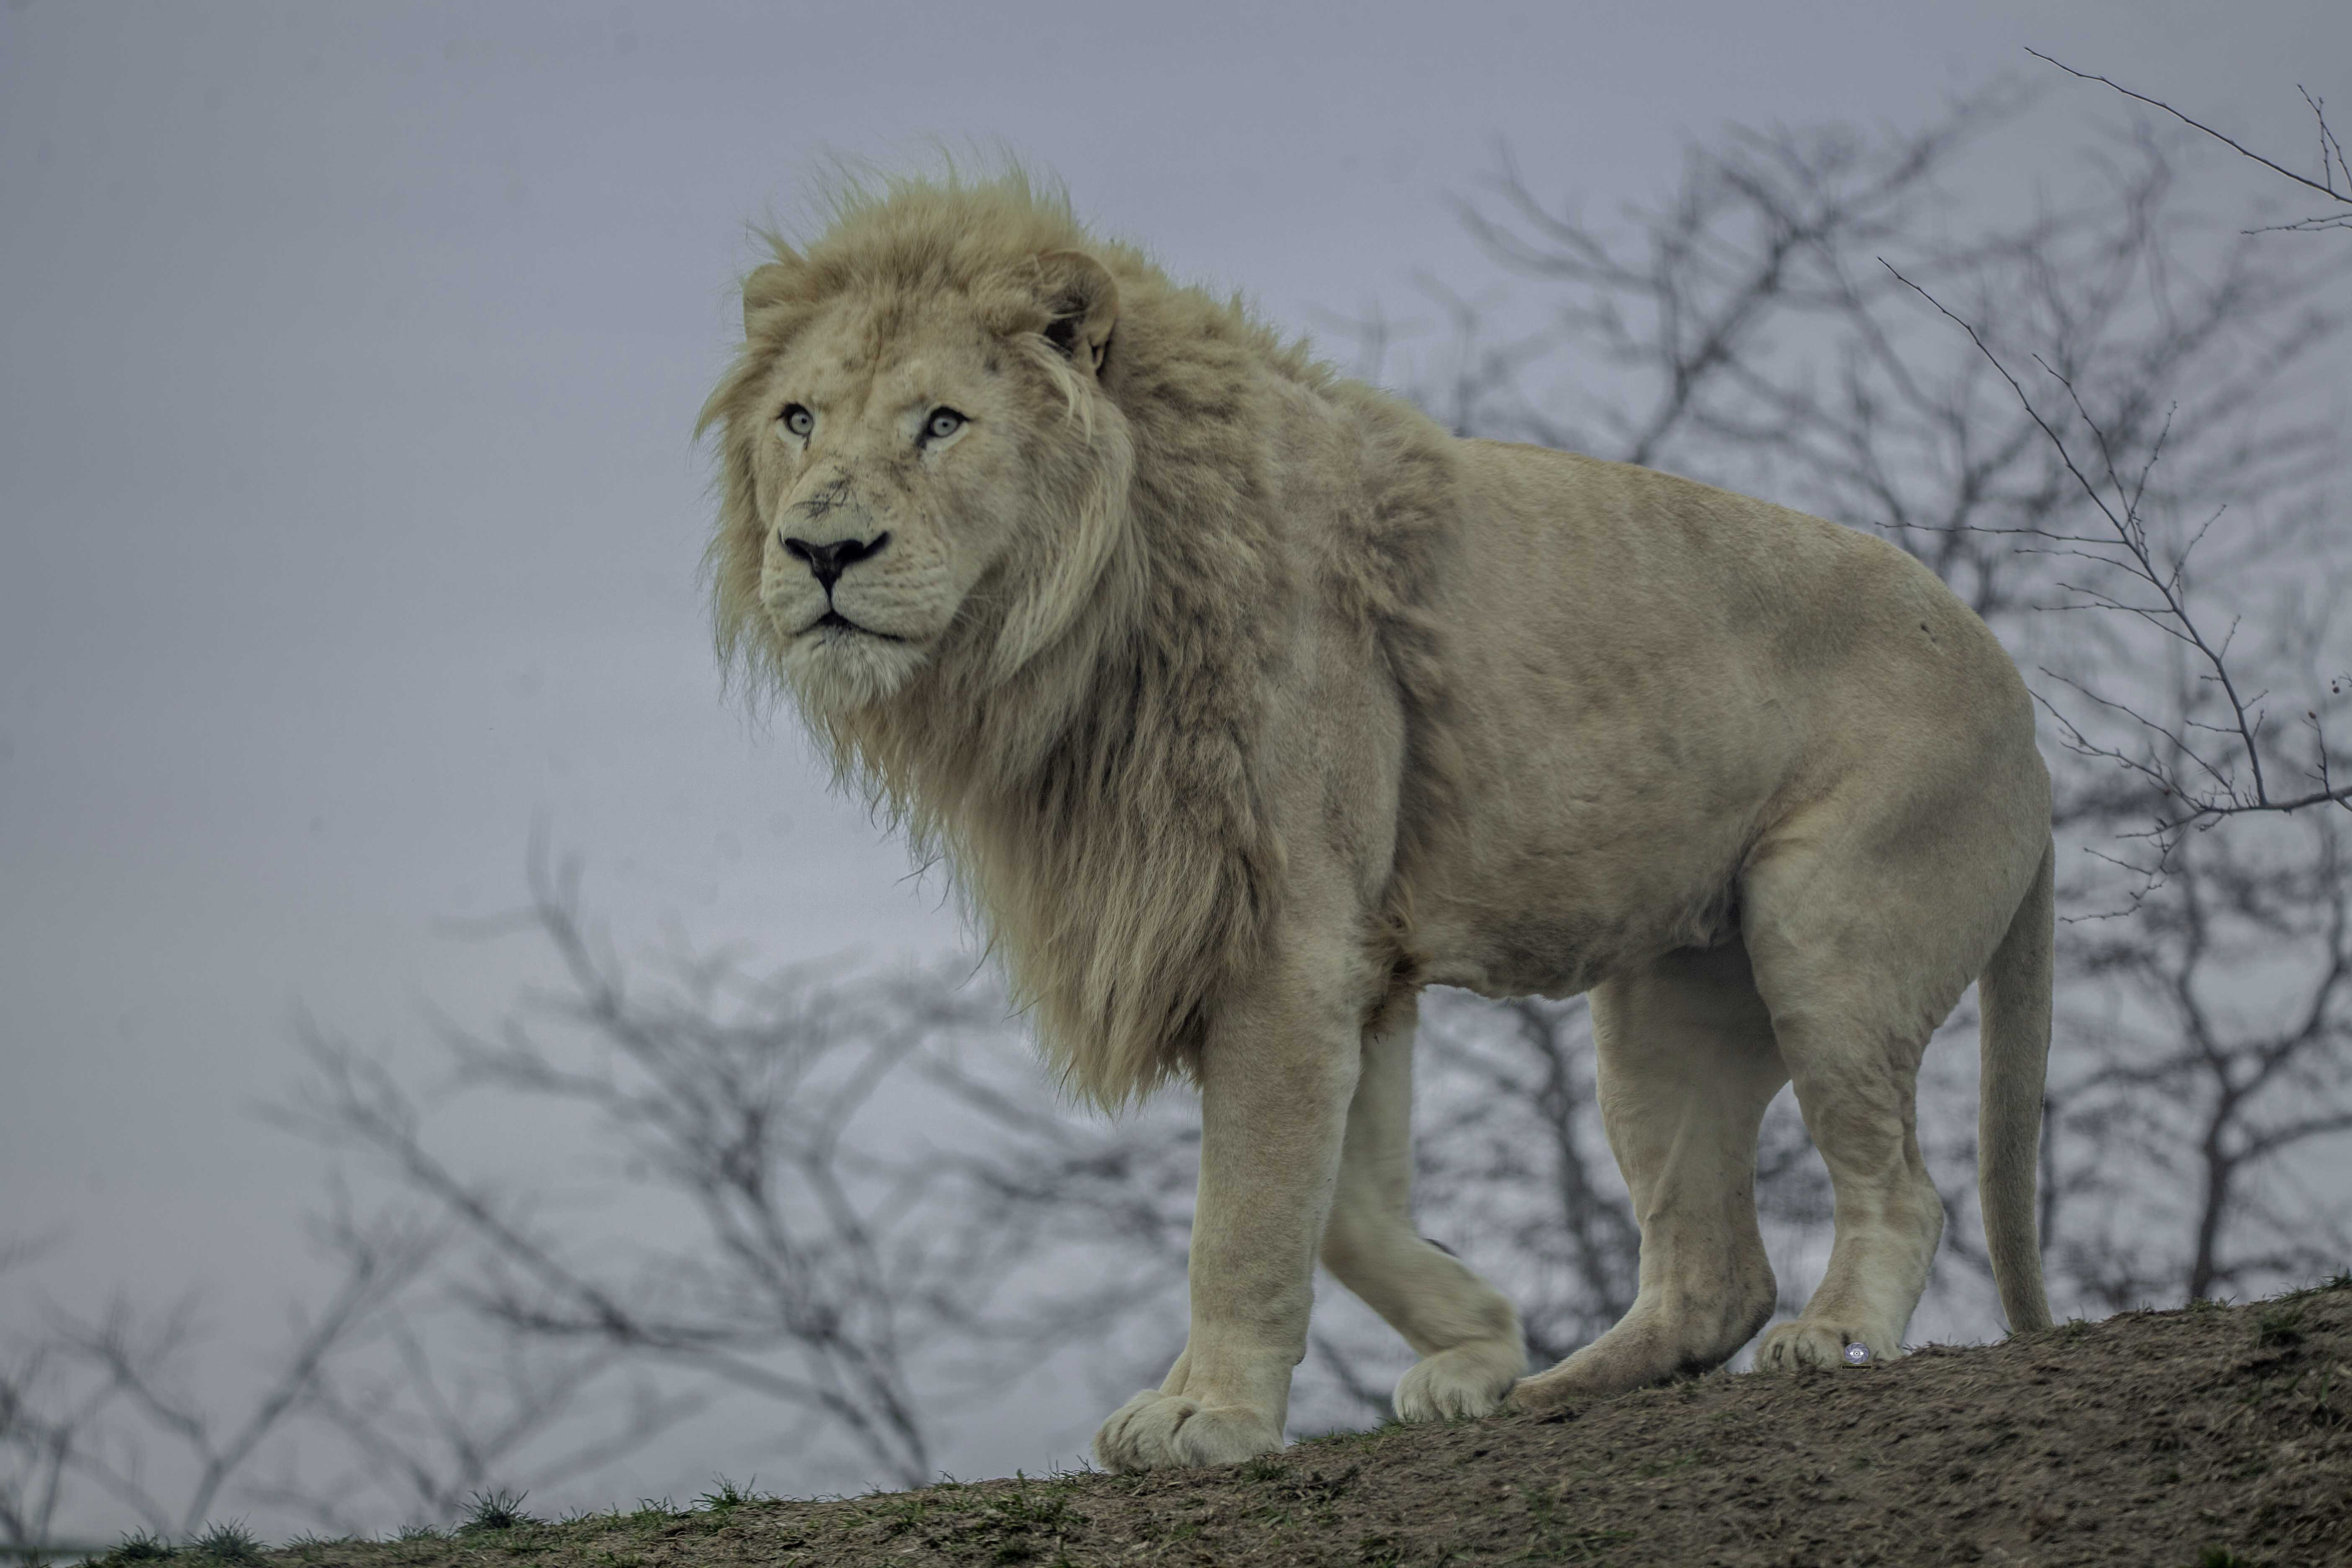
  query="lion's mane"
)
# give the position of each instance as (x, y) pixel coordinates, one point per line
(1101, 801)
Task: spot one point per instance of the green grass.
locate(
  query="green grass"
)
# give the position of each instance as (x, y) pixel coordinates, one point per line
(496, 1510)
(228, 1542)
(725, 1494)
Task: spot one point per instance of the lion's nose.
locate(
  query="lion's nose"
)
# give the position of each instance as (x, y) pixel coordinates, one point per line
(828, 562)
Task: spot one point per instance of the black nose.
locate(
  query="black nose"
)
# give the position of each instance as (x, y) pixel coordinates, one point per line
(828, 562)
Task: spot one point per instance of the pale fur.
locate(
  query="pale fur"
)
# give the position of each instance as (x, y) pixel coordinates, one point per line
(1244, 702)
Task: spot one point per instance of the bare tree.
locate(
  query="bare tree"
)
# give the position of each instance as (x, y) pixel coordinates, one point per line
(2203, 755)
(876, 1207)
(44, 1423)
(141, 1362)
(2335, 181)
(432, 1409)
(875, 1213)
(349, 1421)
(2216, 1047)
(90, 1400)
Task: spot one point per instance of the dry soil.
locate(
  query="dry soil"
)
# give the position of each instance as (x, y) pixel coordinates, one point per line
(2211, 1437)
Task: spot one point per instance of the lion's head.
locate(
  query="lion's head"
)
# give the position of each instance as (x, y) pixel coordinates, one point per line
(921, 468)
(998, 512)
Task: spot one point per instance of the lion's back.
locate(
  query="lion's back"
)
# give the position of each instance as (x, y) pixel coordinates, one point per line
(1691, 582)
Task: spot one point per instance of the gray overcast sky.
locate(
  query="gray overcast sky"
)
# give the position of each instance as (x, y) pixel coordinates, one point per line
(348, 516)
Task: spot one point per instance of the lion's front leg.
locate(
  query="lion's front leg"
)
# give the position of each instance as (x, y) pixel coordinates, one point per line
(1275, 1086)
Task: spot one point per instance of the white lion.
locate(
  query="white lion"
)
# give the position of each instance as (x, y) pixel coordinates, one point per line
(1247, 702)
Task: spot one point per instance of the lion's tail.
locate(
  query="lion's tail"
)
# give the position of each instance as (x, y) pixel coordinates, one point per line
(2013, 993)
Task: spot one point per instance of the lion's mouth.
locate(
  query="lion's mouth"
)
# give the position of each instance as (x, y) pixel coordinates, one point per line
(833, 621)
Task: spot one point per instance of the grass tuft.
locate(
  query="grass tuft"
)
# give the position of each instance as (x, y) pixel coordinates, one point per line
(495, 1510)
(140, 1547)
(228, 1542)
(725, 1494)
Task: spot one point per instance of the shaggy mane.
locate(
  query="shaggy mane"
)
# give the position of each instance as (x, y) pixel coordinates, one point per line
(1101, 804)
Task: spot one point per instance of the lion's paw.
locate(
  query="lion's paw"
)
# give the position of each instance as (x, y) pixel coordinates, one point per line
(1807, 1343)
(1467, 1379)
(1157, 1431)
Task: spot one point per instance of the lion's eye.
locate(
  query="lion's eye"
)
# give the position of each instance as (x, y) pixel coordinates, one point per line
(942, 424)
(798, 420)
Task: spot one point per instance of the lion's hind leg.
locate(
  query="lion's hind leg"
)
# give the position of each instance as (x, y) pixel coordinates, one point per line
(1856, 1079)
(1862, 946)
(1465, 1331)
(1686, 1065)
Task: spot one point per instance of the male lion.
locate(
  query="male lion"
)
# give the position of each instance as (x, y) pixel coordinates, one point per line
(1247, 702)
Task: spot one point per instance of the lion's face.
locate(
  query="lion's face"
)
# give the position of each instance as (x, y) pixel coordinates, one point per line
(926, 473)
(890, 479)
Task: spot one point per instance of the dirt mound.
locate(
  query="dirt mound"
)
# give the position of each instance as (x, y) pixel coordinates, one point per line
(2213, 1436)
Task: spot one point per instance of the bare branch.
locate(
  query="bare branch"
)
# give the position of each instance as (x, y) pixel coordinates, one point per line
(2332, 166)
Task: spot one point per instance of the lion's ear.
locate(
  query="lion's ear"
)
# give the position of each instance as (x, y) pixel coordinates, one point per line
(1081, 304)
(770, 285)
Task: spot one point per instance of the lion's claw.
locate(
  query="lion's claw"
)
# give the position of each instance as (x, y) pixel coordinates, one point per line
(1803, 1343)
